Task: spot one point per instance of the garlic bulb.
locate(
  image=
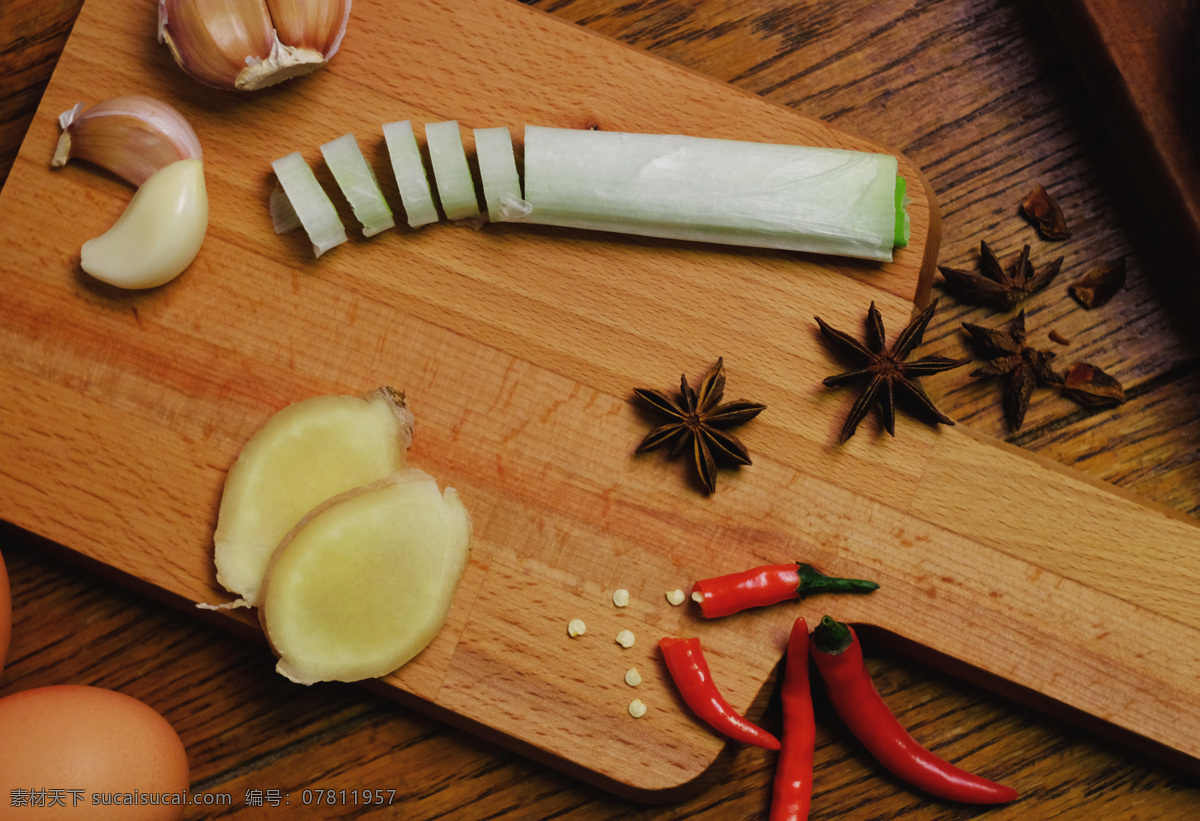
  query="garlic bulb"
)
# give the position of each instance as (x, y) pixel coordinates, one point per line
(152, 146)
(130, 136)
(251, 44)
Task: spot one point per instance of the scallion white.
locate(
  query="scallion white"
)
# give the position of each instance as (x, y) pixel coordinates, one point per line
(451, 174)
(498, 172)
(357, 181)
(820, 200)
(283, 216)
(310, 202)
(411, 178)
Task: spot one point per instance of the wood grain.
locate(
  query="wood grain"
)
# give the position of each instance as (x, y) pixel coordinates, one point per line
(854, 789)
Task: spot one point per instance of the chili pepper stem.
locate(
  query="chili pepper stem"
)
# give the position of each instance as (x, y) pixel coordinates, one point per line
(831, 637)
(813, 581)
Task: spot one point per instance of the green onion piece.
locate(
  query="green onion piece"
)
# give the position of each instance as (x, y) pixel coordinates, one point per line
(283, 215)
(451, 174)
(358, 184)
(498, 170)
(409, 169)
(903, 222)
(819, 200)
(310, 202)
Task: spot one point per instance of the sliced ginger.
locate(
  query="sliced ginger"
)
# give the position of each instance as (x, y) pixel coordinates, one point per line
(305, 454)
(366, 580)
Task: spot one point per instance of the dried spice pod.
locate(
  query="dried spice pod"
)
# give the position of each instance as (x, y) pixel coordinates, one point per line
(1007, 355)
(699, 420)
(1044, 213)
(1091, 386)
(884, 371)
(1100, 284)
(1058, 338)
(996, 287)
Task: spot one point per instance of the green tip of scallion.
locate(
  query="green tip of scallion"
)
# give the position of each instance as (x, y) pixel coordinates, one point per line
(903, 223)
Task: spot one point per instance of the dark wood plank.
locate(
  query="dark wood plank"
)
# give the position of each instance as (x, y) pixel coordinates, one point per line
(1143, 61)
(32, 35)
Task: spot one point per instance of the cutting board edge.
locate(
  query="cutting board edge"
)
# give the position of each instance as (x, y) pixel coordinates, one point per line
(683, 791)
(246, 627)
(1075, 474)
(243, 625)
(1048, 706)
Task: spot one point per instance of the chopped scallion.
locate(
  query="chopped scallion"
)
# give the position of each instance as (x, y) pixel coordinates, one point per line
(498, 171)
(358, 184)
(451, 174)
(903, 221)
(310, 202)
(820, 200)
(411, 177)
(283, 216)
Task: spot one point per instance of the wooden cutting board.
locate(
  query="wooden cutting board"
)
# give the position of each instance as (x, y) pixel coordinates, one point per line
(519, 347)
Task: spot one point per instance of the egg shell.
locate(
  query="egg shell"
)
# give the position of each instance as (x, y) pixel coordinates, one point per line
(85, 744)
(5, 614)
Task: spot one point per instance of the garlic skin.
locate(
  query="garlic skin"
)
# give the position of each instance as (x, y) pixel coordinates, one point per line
(311, 24)
(251, 44)
(159, 233)
(132, 137)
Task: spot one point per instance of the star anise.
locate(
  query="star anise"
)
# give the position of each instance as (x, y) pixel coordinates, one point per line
(698, 419)
(885, 371)
(995, 287)
(1007, 355)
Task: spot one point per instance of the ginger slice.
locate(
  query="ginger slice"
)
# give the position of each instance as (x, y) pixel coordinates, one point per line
(305, 454)
(366, 580)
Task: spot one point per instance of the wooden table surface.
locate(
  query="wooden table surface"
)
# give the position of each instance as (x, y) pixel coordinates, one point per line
(984, 96)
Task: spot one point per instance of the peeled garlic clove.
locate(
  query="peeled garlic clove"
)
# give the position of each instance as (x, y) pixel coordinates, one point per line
(158, 235)
(237, 44)
(131, 136)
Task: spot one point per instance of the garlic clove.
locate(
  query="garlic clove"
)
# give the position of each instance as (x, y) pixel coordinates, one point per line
(214, 41)
(132, 137)
(316, 25)
(251, 44)
(159, 233)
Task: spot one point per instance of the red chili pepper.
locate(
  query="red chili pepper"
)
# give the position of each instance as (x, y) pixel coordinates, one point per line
(792, 793)
(685, 661)
(767, 585)
(838, 655)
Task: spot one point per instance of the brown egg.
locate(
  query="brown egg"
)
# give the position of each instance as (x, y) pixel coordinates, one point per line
(77, 752)
(5, 614)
